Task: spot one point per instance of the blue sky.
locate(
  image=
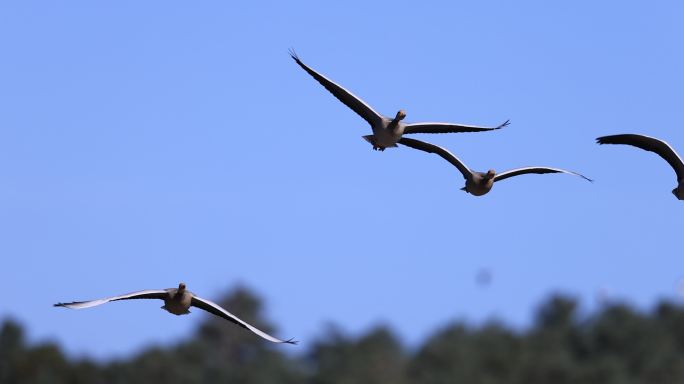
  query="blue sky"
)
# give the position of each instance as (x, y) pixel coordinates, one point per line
(147, 143)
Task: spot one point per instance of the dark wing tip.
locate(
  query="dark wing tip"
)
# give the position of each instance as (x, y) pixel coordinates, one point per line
(625, 138)
(60, 305)
(580, 175)
(574, 173)
(504, 124)
(291, 341)
(602, 140)
(293, 55)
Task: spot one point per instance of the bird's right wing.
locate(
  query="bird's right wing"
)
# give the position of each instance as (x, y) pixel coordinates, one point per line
(651, 144)
(349, 99)
(537, 170)
(448, 128)
(431, 148)
(217, 310)
(147, 294)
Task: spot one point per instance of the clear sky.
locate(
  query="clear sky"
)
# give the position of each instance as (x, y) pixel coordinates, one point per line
(147, 143)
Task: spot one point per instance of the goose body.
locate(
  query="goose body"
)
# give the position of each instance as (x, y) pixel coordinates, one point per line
(479, 183)
(657, 146)
(386, 131)
(178, 302)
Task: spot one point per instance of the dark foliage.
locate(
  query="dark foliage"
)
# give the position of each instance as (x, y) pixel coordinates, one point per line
(616, 345)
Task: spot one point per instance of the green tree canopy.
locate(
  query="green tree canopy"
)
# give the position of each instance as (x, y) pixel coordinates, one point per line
(615, 345)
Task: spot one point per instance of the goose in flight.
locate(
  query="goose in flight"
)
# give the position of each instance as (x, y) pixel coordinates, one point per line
(177, 301)
(658, 146)
(386, 131)
(479, 183)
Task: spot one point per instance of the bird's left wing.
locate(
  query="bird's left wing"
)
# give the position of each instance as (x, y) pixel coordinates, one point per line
(436, 149)
(147, 294)
(539, 170)
(448, 128)
(217, 310)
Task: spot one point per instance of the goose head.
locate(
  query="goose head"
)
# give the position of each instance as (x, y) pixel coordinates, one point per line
(490, 174)
(181, 287)
(400, 115)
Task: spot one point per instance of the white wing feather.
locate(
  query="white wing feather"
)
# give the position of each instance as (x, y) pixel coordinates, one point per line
(146, 294)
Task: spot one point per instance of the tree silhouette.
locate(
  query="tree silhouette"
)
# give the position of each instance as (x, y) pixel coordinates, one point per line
(615, 345)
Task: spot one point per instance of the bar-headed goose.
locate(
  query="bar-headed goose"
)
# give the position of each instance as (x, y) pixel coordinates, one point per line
(479, 183)
(177, 301)
(386, 131)
(658, 146)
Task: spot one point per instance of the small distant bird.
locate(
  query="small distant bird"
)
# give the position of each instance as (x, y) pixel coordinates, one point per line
(658, 146)
(177, 301)
(386, 131)
(484, 277)
(479, 183)
(604, 295)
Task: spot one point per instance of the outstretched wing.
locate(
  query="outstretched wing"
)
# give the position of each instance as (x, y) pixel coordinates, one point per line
(538, 170)
(448, 128)
(431, 148)
(148, 294)
(217, 310)
(349, 99)
(651, 144)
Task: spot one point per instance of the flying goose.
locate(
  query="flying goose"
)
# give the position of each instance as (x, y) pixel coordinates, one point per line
(658, 146)
(177, 301)
(479, 183)
(386, 131)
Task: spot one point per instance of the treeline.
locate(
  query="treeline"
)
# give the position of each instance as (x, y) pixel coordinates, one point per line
(616, 345)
